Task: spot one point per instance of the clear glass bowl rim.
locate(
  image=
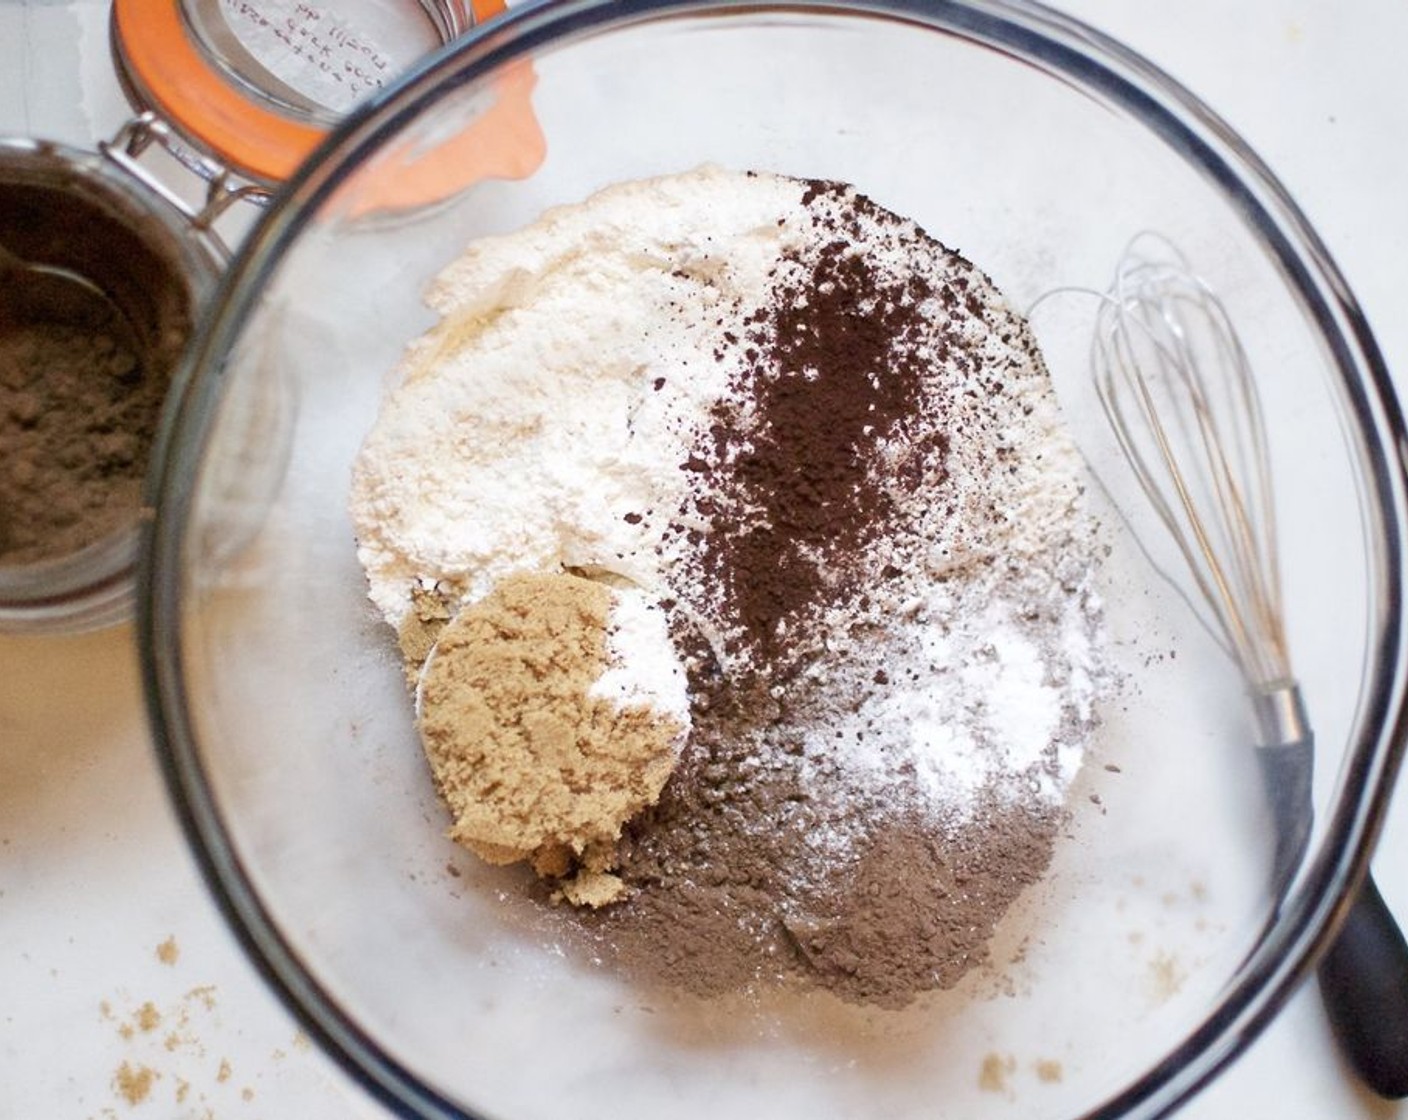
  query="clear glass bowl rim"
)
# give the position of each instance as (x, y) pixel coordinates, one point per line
(1102, 68)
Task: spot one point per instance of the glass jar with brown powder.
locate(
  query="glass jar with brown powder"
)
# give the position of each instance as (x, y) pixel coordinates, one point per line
(239, 95)
(80, 394)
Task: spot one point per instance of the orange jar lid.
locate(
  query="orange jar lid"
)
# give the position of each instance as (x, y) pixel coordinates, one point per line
(257, 84)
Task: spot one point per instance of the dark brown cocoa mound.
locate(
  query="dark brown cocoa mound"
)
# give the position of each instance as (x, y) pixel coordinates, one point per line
(833, 377)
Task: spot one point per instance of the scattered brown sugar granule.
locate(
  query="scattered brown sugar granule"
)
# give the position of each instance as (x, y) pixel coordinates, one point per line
(1049, 1071)
(148, 1018)
(421, 628)
(530, 764)
(994, 1072)
(134, 1083)
(1166, 976)
(205, 995)
(168, 952)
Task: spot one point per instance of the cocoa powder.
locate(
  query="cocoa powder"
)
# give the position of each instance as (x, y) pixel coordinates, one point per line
(830, 379)
(78, 413)
(82, 377)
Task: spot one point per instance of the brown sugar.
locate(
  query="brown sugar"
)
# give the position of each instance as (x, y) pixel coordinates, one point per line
(134, 1083)
(1049, 1071)
(168, 952)
(530, 764)
(995, 1071)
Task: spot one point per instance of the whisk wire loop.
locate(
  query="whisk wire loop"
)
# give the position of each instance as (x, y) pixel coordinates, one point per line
(1176, 386)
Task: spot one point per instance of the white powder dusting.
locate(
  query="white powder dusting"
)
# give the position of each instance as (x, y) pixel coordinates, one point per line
(989, 689)
(642, 668)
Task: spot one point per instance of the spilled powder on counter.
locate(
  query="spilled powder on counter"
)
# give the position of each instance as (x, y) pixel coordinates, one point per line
(542, 742)
(829, 450)
(169, 951)
(995, 1072)
(169, 1047)
(134, 1083)
(1049, 1070)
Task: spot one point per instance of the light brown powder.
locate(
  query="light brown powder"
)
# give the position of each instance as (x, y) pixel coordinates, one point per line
(168, 952)
(530, 765)
(174, 1027)
(1049, 1070)
(1166, 976)
(205, 994)
(134, 1083)
(994, 1072)
(592, 888)
(148, 1018)
(420, 629)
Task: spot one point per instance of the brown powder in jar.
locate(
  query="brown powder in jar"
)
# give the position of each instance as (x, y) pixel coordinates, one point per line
(78, 412)
(82, 384)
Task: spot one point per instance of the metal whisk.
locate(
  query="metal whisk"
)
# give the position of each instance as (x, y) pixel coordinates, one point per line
(1177, 388)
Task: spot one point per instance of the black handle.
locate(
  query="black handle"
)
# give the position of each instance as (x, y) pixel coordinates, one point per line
(1364, 976)
(1364, 986)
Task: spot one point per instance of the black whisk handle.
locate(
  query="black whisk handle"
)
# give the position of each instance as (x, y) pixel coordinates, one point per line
(1364, 986)
(1364, 975)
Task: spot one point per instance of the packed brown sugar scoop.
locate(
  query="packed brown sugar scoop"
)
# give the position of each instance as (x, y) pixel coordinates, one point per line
(535, 753)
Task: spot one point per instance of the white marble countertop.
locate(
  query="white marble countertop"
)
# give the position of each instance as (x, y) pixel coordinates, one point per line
(114, 963)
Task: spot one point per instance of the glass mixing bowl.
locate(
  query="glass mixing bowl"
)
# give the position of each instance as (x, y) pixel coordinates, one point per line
(1153, 949)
